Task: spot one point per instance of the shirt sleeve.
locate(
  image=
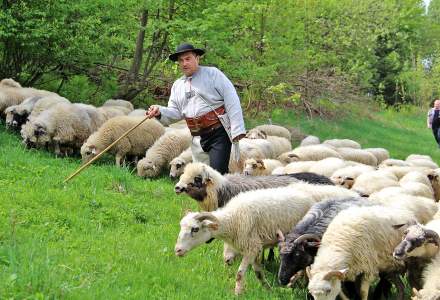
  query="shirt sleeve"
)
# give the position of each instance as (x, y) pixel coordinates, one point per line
(171, 113)
(232, 103)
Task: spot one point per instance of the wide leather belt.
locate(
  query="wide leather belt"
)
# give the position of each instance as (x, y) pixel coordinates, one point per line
(205, 123)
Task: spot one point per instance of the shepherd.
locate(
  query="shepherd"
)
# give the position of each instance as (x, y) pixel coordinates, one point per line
(209, 103)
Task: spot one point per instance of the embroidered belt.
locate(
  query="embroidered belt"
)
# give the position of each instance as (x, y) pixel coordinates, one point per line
(205, 123)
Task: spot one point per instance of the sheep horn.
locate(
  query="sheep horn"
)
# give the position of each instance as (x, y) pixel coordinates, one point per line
(432, 236)
(305, 237)
(206, 216)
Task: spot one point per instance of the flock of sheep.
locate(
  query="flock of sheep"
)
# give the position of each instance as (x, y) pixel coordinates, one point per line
(341, 216)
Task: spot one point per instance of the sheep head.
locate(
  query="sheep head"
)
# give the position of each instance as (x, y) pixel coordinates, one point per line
(252, 165)
(326, 285)
(288, 157)
(344, 181)
(296, 253)
(417, 241)
(256, 134)
(177, 165)
(9, 82)
(195, 229)
(425, 294)
(195, 180)
(88, 151)
(147, 168)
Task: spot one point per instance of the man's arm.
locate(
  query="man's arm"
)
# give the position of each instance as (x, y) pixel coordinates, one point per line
(232, 104)
(166, 114)
(428, 119)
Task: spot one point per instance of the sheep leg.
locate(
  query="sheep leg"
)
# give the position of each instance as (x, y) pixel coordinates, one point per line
(245, 262)
(365, 286)
(228, 254)
(118, 160)
(57, 149)
(258, 269)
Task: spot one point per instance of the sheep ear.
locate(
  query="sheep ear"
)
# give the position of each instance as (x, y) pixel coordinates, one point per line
(210, 225)
(280, 236)
(308, 273)
(94, 152)
(261, 163)
(292, 155)
(264, 134)
(339, 274)
(398, 226)
(405, 225)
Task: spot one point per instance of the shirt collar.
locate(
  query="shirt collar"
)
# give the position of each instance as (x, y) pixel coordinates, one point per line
(194, 75)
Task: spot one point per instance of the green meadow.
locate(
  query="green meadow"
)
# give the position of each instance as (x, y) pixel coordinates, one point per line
(108, 234)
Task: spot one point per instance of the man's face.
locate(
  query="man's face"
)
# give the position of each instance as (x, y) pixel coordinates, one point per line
(437, 104)
(189, 63)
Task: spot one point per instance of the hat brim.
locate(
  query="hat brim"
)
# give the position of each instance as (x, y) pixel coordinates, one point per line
(174, 56)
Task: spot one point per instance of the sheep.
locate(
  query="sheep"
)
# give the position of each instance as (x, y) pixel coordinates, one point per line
(136, 143)
(431, 278)
(357, 155)
(304, 153)
(119, 102)
(63, 124)
(248, 223)
(16, 115)
(346, 176)
(177, 165)
(264, 147)
(45, 103)
(167, 147)
(327, 166)
(391, 162)
(212, 190)
(423, 163)
(138, 113)
(410, 188)
(434, 178)
(418, 156)
(297, 167)
(422, 208)
(416, 177)
(298, 249)
(342, 143)
(262, 131)
(260, 167)
(358, 241)
(279, 145)
(110, 112)
(369, 182)
(419, 240)
(381, 154)
(247, 151)
(310, 140)
(399, 171)
(9, 82)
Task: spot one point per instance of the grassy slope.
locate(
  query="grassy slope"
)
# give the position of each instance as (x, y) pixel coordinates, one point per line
(109, 234)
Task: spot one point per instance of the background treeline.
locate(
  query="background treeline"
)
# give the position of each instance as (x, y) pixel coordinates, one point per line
(308, 54)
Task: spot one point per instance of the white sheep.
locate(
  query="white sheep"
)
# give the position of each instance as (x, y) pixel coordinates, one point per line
(264, 147)
(177, 165)
(248, 222)
(392, 162)
(260, 167)
(262, 131)
(357, 155)
(310, 140)
(369, 182)
(167, 147)
(45, 103)
(298, 166)
(416, 177)
(15, 95)
(9, 82)
(318, 192)
(279, 145)
(418, 156)
(381, 154)
(119, 102)
(434, 178)
(135, 144)
(399, 172)
(327, 166)
(16, 115)
(410, 188)
(421, 162)
(342, 143)
(431, 279)
(359, 241)
(137, 113)
(346, 176)
(304, 153)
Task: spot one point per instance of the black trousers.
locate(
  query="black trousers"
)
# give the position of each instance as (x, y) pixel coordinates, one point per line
(218, 146)
(435, 132)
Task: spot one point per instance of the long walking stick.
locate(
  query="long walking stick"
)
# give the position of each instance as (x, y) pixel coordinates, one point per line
(105, 150)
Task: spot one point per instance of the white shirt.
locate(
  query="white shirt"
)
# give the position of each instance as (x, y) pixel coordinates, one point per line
(214, 87)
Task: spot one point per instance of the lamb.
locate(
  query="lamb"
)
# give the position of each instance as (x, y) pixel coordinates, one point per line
(346, 176)
(374, 181)
(262, 131)
(310, 140)
(304, 153)
(164, 150)
(299, 248)
(431, 286)
(260, 167)
(177, 165)
(381, 154)
(212, 190)
(119, 102)
(248, 223)
(342, 254)
(61, 125)
(342, 143)
(358, 155)
(135, 144)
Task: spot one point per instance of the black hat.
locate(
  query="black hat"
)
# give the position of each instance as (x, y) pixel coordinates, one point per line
(185, 47)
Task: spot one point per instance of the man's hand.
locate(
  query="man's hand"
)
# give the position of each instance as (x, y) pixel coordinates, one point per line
(153, 111)
(238, 137)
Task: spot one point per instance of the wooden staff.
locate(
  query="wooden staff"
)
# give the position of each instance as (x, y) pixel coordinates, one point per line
(105, 150)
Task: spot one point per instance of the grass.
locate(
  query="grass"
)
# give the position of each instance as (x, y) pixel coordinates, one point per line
(110, 235)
